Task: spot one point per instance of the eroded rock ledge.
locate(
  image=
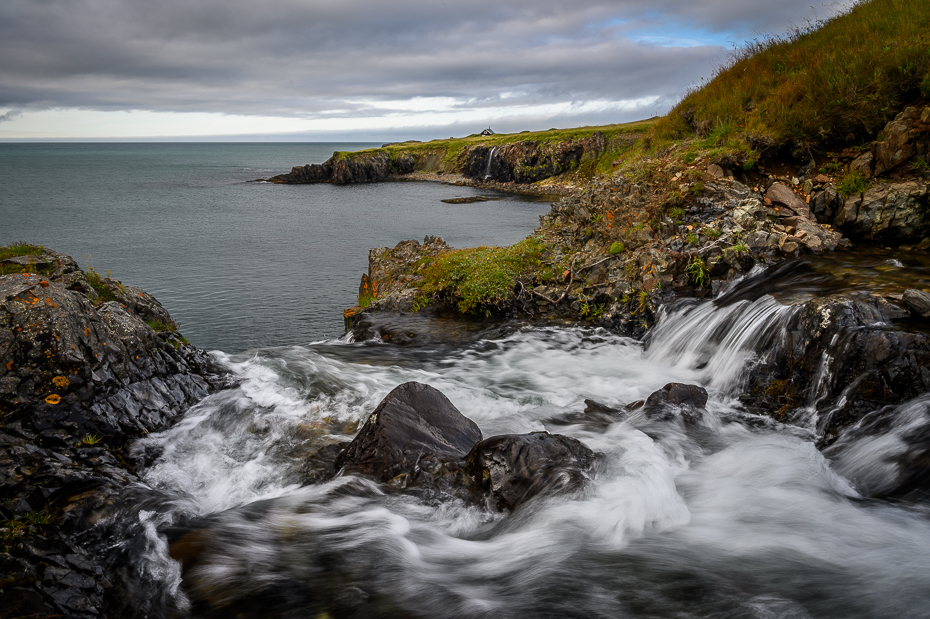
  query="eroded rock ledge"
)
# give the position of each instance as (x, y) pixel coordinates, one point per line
(80, 379)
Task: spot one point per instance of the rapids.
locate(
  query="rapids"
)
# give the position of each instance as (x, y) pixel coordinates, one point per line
(739, 517)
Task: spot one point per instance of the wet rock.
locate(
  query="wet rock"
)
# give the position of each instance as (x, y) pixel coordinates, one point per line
(78, 380)
(839, 355)
(918, 300)
(414, 429)
(677, 399)
(511, 469)
(894, 212)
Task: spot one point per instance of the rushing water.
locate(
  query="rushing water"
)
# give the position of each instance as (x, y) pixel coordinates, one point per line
(737, 517)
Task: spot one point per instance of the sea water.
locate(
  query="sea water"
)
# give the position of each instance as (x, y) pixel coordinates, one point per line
(238, 264)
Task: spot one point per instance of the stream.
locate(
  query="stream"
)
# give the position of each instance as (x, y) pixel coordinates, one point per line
(739, 516)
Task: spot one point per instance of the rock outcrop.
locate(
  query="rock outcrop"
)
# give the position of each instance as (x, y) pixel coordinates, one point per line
(838, 355)
(79, 379)
(888, 213)
(522, 162)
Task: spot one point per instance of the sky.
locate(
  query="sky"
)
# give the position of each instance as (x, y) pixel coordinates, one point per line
(363, 70)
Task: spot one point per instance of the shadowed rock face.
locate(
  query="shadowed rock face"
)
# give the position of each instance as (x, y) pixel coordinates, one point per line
(511, 469)
(414, 428)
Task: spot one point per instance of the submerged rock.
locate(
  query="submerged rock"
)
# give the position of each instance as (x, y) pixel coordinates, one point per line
(414, 430)
(677, 399)
(511, 469)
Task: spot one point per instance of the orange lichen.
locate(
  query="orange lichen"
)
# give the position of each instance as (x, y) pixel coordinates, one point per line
(61, 381)
(53, 399)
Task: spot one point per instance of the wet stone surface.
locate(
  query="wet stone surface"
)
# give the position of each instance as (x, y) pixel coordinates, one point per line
(79, 380)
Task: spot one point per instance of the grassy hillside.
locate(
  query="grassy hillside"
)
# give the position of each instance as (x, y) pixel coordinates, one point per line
(831, 83)
(447, 156)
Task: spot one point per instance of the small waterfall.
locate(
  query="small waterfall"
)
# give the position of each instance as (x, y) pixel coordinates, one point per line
(720, 341)
(487, 168)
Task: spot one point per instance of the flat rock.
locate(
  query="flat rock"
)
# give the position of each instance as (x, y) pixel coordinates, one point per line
(413, 424)
(511, 469)
(783, 195)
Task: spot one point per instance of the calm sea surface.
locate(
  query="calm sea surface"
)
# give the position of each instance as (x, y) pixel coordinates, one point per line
(239, 265)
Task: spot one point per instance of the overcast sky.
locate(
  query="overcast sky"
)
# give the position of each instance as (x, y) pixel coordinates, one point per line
(359, 69)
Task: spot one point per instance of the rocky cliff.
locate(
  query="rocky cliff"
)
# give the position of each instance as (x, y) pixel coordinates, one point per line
(503, 159)
(88, 364)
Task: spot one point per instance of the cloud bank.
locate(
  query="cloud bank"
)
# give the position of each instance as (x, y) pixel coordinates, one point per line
(332, 66)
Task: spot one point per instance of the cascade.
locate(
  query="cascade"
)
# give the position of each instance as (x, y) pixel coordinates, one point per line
(487, 168)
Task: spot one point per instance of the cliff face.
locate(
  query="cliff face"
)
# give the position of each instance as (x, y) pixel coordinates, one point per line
(525, 161)
(88, 364)
(531, 161)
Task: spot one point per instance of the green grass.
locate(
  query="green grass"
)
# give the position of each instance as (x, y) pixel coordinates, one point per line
(159, 326)
(836, 82)
(96, 282)
(17, 249)
(852, 183)
(483, 278)
(697, 271)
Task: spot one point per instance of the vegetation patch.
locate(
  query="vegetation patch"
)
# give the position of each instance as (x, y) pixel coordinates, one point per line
(159, 326)
(484, 278)
(697, 271)
(14, 250)
(852, 183)
(96, 282)
(837, 81)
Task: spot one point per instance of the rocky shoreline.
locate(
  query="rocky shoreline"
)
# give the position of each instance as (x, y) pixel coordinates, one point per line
(625, 247)
(90, 364)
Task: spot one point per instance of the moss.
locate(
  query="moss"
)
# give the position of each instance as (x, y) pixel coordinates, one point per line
(484, 278)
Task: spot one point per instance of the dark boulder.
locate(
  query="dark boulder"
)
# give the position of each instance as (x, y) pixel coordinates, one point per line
(414, 430)
(677, 399)
(511, 469)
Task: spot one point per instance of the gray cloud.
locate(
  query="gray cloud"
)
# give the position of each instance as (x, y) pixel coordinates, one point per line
(10, 115)
(333, 59)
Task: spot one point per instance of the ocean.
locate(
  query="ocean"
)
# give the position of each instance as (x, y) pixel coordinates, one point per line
(239, 265)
